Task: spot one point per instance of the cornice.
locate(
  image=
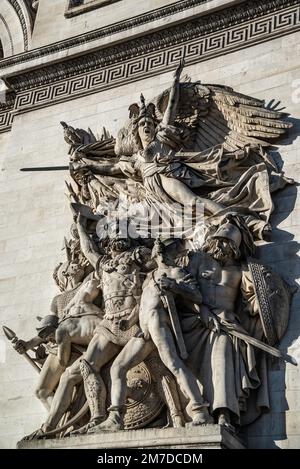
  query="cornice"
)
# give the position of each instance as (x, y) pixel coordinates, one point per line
(73, 9)
(204, 26)
(110, 30)
(197, 40)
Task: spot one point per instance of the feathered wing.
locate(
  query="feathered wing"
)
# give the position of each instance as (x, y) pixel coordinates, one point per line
(217, 115)
(102, 147)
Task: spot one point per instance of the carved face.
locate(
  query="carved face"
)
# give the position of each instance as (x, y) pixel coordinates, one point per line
(221, 249)
(48, 334)
(68, 275)
(146, 130)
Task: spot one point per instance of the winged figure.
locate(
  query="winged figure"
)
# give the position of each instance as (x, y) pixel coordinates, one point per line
(197, 143)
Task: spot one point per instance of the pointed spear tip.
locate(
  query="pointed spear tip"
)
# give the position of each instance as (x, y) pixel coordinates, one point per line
(8, 332)
(294, 361)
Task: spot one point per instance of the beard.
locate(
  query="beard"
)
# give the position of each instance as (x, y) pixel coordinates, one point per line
(221, 252)
(120, 246)
(75, 278)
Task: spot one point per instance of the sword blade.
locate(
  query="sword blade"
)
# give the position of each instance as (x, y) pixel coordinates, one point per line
(170, 303)
(46, 168)
(261, 345)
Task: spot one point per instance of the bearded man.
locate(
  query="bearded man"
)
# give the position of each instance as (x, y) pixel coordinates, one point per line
(229, 369)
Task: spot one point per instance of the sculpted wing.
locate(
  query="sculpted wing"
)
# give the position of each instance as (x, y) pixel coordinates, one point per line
(217, 115)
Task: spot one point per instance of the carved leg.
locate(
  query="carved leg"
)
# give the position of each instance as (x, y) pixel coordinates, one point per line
(224, 416)
(95, 392)
(48, 380)
(61, 401)
(100, 351)
(63, 395)
(164, 341)
(185, 196)
(168, 390)
(134, 352)
(113, 423)
(200, 415)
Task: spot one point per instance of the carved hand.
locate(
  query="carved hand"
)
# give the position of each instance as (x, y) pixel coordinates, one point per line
(74, 155)
(167, 283)
(66, 311)
(214, 325)
(21, 346)
(78, 165)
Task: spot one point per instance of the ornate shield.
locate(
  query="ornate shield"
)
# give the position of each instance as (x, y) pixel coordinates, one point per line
(274, 297)
(143, 403)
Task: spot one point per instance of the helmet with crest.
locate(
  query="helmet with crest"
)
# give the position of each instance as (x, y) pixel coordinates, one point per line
(128, 140)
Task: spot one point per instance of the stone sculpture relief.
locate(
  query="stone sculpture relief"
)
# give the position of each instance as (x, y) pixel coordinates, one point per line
(164, 324)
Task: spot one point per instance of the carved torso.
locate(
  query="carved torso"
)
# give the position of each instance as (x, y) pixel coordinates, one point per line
(151, 300)
(219, 283)
(121, 286)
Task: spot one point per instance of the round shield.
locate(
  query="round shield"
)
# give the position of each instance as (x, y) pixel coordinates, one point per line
(143, 402)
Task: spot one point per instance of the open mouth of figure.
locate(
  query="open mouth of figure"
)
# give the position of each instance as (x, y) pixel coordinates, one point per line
(147, 131)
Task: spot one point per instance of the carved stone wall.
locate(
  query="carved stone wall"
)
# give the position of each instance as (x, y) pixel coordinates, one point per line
(34, 213)
(87, 21)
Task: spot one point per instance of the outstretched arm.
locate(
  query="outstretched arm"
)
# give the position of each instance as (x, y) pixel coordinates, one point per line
(170, 113)
(22, 346)
(87, 245)
(104, 169)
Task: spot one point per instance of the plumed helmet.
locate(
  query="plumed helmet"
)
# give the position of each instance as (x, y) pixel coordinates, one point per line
(137, 112)
(229, 231)
(49, 322)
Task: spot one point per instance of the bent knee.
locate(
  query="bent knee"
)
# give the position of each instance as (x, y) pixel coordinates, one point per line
(42, 393)
(118, 371)
(70, 376)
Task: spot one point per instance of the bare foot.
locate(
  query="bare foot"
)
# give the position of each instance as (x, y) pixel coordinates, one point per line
(91, 424)
(201, 417)
(224, 419)
(38, 434)
(113, 423)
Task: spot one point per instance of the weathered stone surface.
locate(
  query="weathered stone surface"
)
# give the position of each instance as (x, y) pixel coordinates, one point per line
(206, 437)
